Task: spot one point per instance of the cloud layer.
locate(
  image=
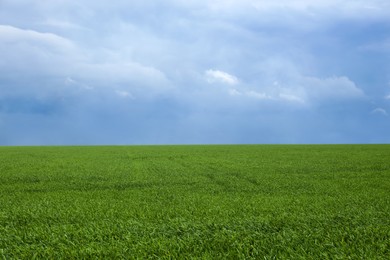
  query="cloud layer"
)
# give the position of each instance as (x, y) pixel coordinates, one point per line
(135, 72)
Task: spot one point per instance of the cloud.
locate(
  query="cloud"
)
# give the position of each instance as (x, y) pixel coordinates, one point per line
(330, 88)
(48, 59)
(382, 46)
(220, 76)
(300, 90)
(314, 90)
(286, 70)
(12, 35)
(71, 82)
(234, 92)
(104, 73)
(124, 94)
(379, 111)
(251, 94)
(30, 53)
(351, 7)
(258, 95)
(62, 24)
(291, 98)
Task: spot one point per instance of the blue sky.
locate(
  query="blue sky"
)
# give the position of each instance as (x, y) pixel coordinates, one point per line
(192, 72)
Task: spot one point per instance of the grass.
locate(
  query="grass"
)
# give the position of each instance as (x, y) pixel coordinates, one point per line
(208, 202)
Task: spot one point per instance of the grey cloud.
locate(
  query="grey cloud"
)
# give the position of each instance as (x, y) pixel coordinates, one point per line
(134, 71)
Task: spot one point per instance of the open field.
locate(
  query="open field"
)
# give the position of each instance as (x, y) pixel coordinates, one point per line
(244, 201)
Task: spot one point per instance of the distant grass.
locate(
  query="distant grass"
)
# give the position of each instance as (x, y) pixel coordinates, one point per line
(217, 202)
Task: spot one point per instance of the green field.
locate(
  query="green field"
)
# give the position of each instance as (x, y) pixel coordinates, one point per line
(209, 202)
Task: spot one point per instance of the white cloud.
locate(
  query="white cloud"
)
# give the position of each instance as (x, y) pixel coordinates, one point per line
(220, 76)
(345, 6)
(387, 97)
(117, 72)
(50, 56)
(301, 91)
(333, 87)
(33, 53)
(124, 94)
(379, 111)
(291, 98)
(14, 35)
(264, 96)
(62, 24)
(258, 95)
(234, 92)
(71, 82)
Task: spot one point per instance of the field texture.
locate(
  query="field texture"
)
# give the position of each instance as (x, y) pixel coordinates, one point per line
(217, 202)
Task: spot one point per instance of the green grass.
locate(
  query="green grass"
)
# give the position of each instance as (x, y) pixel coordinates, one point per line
(209, 202)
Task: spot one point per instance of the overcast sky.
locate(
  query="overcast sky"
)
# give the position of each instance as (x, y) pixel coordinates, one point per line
(191, 72)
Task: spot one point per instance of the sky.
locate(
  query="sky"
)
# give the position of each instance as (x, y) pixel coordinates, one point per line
(129, 72)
